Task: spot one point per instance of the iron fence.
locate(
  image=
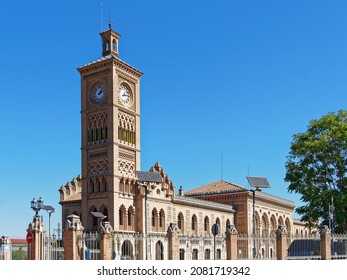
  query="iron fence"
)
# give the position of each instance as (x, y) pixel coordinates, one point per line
(54, 248)
(250, 246)
(338, 246)
(202, 247)
(304, 247)
(91, 246)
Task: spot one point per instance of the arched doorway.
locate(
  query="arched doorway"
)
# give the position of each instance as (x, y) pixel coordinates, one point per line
(127, 250)
(159, 251)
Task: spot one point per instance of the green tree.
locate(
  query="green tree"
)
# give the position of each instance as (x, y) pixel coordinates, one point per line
(19, 255)
(316, 169)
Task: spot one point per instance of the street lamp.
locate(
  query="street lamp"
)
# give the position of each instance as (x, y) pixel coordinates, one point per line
(49, 210)
(258, 183)
(36, 205)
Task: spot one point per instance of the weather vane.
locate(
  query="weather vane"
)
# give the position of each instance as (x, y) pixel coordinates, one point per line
(110, 22)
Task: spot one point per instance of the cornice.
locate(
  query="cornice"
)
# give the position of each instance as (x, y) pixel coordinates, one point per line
(96, 65)
(127, 69)
(107, 61)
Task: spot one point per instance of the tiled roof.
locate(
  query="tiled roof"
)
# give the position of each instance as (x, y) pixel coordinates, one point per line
(216, 187)
(109, 56)
(18, 241)
(227, 187)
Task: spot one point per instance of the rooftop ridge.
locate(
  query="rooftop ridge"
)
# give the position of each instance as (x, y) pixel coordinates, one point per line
(205, 202)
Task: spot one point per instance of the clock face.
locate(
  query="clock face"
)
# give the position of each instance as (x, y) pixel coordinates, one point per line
(99, 93)
(124, 94)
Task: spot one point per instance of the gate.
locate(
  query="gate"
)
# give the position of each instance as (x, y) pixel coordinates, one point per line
(54, 248)
(251, 246)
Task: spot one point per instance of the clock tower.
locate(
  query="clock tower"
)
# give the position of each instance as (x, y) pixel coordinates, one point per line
(110, 136)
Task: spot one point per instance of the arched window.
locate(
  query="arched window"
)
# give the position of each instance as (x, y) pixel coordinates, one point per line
(180, 222)
(159, 251)
(103, 187)
(227, 223)
(218, 254)
(105, 213)
(207, 224)
(218, 224)
(161, 219)
(154, 218)
(114, 45)
(194, 226)
(97, 186)
(90, 186)
(207, 254)
(131, 215)
(195, 254)
(122, 213)
(127, 251)
(94, 219)
(182, 253)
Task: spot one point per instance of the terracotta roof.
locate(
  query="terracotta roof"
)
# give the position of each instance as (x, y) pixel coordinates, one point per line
(18, 241)
(216, 187)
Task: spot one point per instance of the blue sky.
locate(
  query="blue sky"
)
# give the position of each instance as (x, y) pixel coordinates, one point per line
(222, 79)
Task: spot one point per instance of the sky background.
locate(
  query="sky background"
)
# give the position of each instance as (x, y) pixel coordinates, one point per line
(226, 84)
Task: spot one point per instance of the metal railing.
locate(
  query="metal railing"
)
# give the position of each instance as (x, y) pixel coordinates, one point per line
(260, 247)
(304, 247)
(338, 246)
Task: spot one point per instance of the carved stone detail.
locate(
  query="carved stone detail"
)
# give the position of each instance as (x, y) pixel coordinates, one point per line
(97, 118)
(97, 166)
(126, 154)
(73, 222)
(281, 230)
(231, 229)
(172, 228)
(106, 227)
(126, 168)
(126, 121)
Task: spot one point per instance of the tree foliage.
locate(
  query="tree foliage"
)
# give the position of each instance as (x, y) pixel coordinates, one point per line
(19, 255)
(316, 169)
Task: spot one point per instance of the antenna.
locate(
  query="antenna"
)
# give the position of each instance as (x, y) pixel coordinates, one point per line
(101, 9)
(221, 167)
(110, 21)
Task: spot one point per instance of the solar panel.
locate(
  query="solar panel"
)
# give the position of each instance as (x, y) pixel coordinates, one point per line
(98, 215)
(258, 182)
(149, 176)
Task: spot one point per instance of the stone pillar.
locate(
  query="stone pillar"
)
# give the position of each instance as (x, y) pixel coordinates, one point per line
(231, 242)
(106, 242)
(281, 243)
(5, 243)
(73, 239)
(36, 249)
(173, 241)
(325, 243)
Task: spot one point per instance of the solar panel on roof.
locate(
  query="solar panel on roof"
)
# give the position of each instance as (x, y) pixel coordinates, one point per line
(149, 176)
(98, 215)
(258, 182)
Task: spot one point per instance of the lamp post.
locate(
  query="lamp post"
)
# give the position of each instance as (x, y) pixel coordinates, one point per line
(36, 205)
(145, 187)
(258, 183)
(49, 210)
